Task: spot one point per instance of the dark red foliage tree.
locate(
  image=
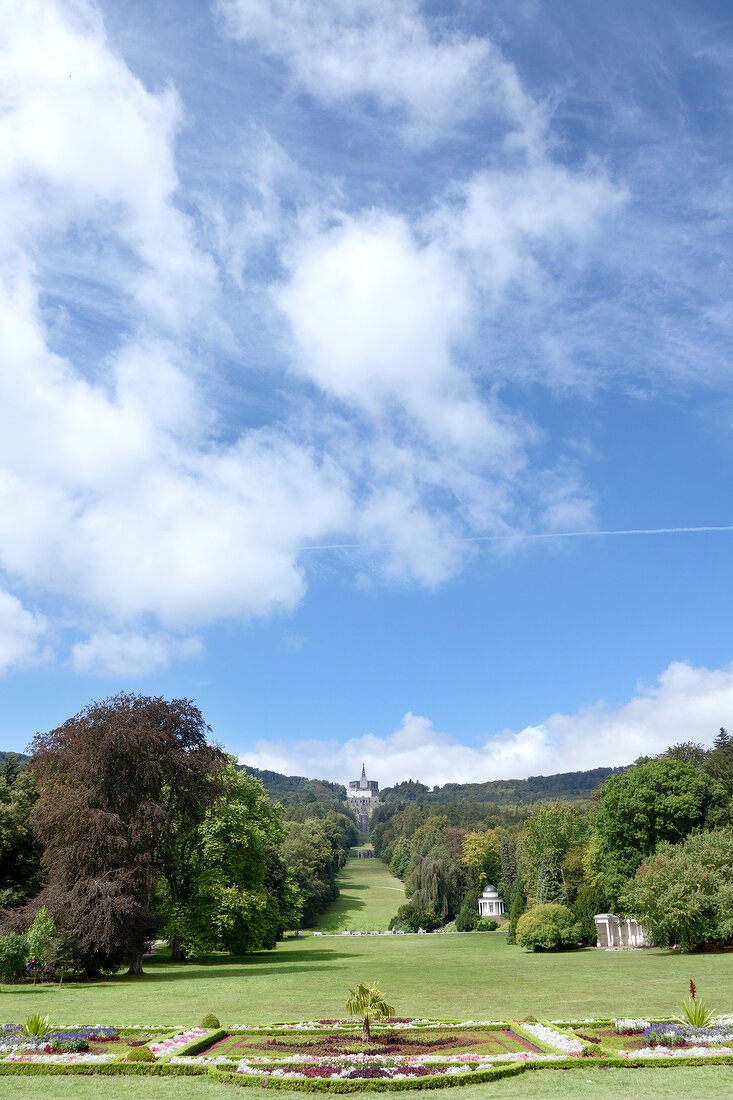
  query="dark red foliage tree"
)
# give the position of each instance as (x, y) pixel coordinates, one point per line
(117, 784)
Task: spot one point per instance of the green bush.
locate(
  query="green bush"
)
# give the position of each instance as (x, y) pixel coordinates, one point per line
(486, 924)
(140, 1054)
(210, 1021)
(548, 928)
(13, 955)
(410, 918)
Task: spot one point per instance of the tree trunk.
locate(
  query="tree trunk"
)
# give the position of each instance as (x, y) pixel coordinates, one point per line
(366, 1035)
(136, 965)
(177, 953)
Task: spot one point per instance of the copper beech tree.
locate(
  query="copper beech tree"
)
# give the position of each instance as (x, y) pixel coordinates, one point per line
(117, 784)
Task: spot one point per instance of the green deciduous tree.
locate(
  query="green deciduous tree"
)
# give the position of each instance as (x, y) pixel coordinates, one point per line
(481, 859)
(661, 800)
(20, 852)
(230, 890)
(313, 855)
(683, 892)
(548, 835)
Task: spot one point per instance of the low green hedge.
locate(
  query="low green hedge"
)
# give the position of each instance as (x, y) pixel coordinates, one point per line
(452, 1080)
(102, 1069)
(321, 1084)
(197, 1045)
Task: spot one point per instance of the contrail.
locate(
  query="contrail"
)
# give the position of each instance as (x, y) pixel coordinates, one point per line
(531, 537)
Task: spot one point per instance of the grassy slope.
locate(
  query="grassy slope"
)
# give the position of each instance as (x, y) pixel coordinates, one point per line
(471, 976)
(369, 898)
(711, 1082)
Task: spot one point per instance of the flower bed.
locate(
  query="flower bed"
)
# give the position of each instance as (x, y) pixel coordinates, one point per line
(492, 1040)
(170, 1046)
(405, 1054)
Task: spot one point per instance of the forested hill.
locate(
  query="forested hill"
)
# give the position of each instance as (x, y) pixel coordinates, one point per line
(566, 785)
(19, 756)
(297, 788)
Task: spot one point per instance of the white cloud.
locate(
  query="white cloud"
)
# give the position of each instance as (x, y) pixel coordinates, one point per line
(685, 704)
(386, 51)
(21, 632)
(123, 487)
(131, 655)
(84, 143)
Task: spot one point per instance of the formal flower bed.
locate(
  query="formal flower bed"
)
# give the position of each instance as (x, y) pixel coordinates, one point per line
(56, 1040)
(323, 1044)
(554, 1038)
(367, 1066)
(170, 1046)
(403, 1052)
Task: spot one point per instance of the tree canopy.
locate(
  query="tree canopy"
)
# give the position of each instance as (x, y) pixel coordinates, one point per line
(116, 784)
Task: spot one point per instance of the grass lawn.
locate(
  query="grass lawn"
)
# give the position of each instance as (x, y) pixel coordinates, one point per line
(468, 976)
(710, 1082)
(369, 898)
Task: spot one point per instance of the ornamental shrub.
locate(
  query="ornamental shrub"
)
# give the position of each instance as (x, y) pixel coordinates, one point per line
(13, 955)
(210, 1021)
(548, 928)
(486, 924)
(409, 917)
(140, 1054)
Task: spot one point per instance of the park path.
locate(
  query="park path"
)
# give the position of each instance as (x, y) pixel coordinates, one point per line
(369, 896)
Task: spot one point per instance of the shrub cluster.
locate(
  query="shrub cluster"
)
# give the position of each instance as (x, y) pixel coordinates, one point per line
(548, 928)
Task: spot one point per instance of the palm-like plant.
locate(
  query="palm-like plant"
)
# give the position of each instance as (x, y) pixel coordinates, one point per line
(37, 1025)
(366, 1001)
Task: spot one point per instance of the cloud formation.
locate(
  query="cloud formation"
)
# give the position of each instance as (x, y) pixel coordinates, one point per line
(385, 51)
(684, 704)
(131, 655)
(21, 635)
(125, 489)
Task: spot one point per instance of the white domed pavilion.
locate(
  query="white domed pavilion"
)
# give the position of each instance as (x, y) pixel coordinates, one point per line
(490, 904)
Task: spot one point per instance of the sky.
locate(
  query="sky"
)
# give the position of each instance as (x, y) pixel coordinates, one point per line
(333, 336)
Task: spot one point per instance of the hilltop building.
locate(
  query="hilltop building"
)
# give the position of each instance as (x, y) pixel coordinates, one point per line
(363, 796)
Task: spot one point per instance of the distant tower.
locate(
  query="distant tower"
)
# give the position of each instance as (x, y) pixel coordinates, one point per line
(363, 795)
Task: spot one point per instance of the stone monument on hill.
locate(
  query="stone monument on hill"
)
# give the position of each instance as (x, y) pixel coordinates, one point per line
(363, 796)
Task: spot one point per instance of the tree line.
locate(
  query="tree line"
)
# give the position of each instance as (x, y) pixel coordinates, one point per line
(654, 841)
(130, 823)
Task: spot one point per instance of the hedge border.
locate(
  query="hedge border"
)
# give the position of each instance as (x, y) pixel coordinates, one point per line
(101, 1069)
(440, 1081)
(195, 1046)
(512, 1069)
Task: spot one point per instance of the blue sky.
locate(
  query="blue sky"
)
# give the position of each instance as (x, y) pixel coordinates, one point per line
(381, 279)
